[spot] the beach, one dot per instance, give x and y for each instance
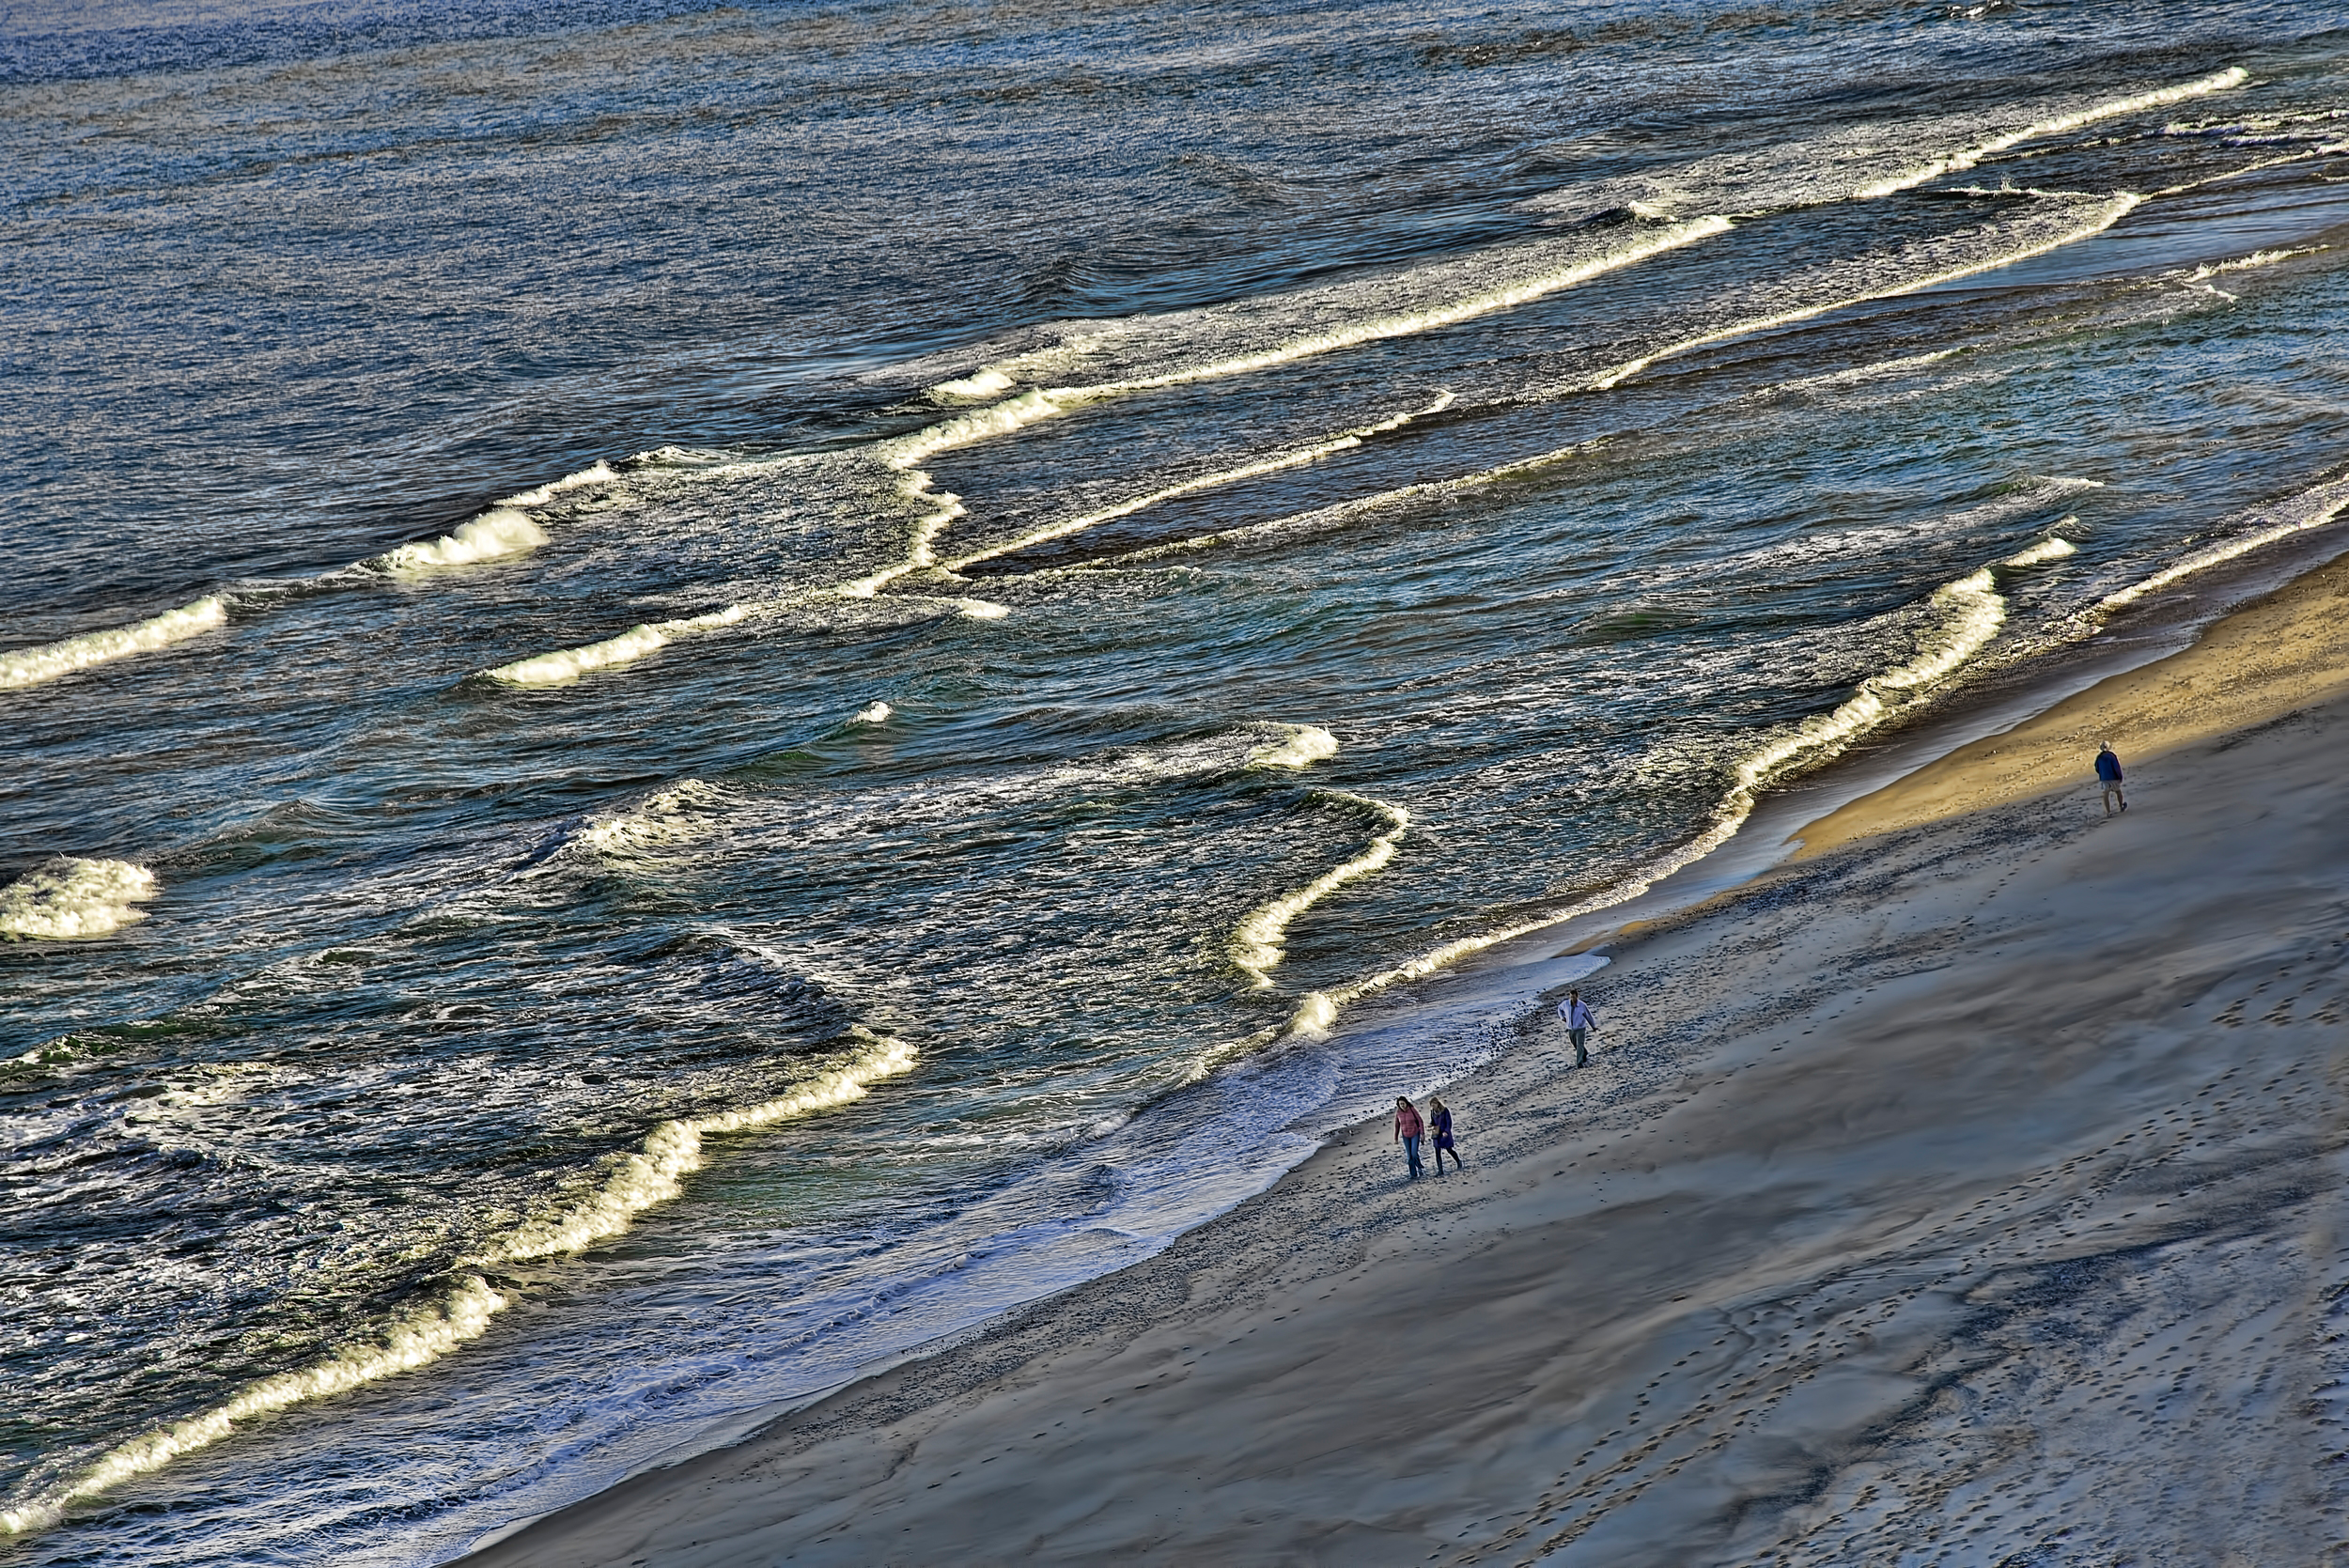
(1964, 1190)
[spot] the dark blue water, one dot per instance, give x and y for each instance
(693, 694)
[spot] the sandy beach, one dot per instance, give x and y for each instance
(1965, 1191)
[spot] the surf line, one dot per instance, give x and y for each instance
(501, 530)
(1257, 944)
(566, 665)
(1970, 613)
(631, 1184)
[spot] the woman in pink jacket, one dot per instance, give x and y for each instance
(1408, 1128)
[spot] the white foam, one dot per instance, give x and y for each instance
(1294, 457)
(1301, 747)
(1257, 941)
(597, 472)
(411, 1341)
(2047, 549)
(565, 665)
(2054, 125)
(2257, 258)
(665, 819)
(874, 713)
(2310, 508)
(499, 532)
(1915, 268)
(981, 610)
(69, 900)
(31, 666)
(633, 1182)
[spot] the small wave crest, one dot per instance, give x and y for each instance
(566, 665)
(501, 530)
(32, 666)
(2264, 525)
(666, 819)
(653, 1174)
(1301, 747)
(1257, 943)
(71, 900)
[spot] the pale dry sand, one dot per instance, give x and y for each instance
(1970, 1195)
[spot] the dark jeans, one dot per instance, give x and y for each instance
(1411, 1152)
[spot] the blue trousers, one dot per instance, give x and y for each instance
(1410, 1151)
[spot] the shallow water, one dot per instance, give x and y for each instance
(548, 919)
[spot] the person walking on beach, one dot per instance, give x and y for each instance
(1440, 1124)
(2109, 774)
(1408, 1129)
(1578, 1024)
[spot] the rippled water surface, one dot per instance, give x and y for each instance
(693, 694)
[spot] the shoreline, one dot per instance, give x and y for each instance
(1001, 1367)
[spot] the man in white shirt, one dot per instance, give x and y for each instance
(1578, 1024)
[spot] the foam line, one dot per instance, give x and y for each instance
(69, 899)
(414, 1340)
(566, 665)
(654, 1173)
(1296, 458)
(2218, 81)
(31, 666)
(1971, 610)
(2310, 508)
(2104, 214)
(1257, 943)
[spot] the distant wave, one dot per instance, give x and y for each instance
(69, 899)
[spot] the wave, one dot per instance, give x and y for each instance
(1257, 941)
(679, 815)
(1863, 162)
(1402, 305)
(1301, 747)
(1296, 458)
(566, 665)
(499, 532)
(69, 900)
(1914, 267)
(653, 1174)
(2310, 508)
(31, 666)
(414, 1340)
(874, 713)
(2056, 125)
(1969, 612)
(630, 1184)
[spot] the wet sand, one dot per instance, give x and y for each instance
(1967, 1191)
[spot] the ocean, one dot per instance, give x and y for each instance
(693, 694)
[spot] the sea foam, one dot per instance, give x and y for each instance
(1257, 943)
(69, 899)
(413, 1340)
(633, 1182)
(31, 666)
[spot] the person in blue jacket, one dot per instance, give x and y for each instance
(2109, 774)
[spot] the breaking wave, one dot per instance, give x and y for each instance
(1257, 941)
(71, 900)
(31, 666)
